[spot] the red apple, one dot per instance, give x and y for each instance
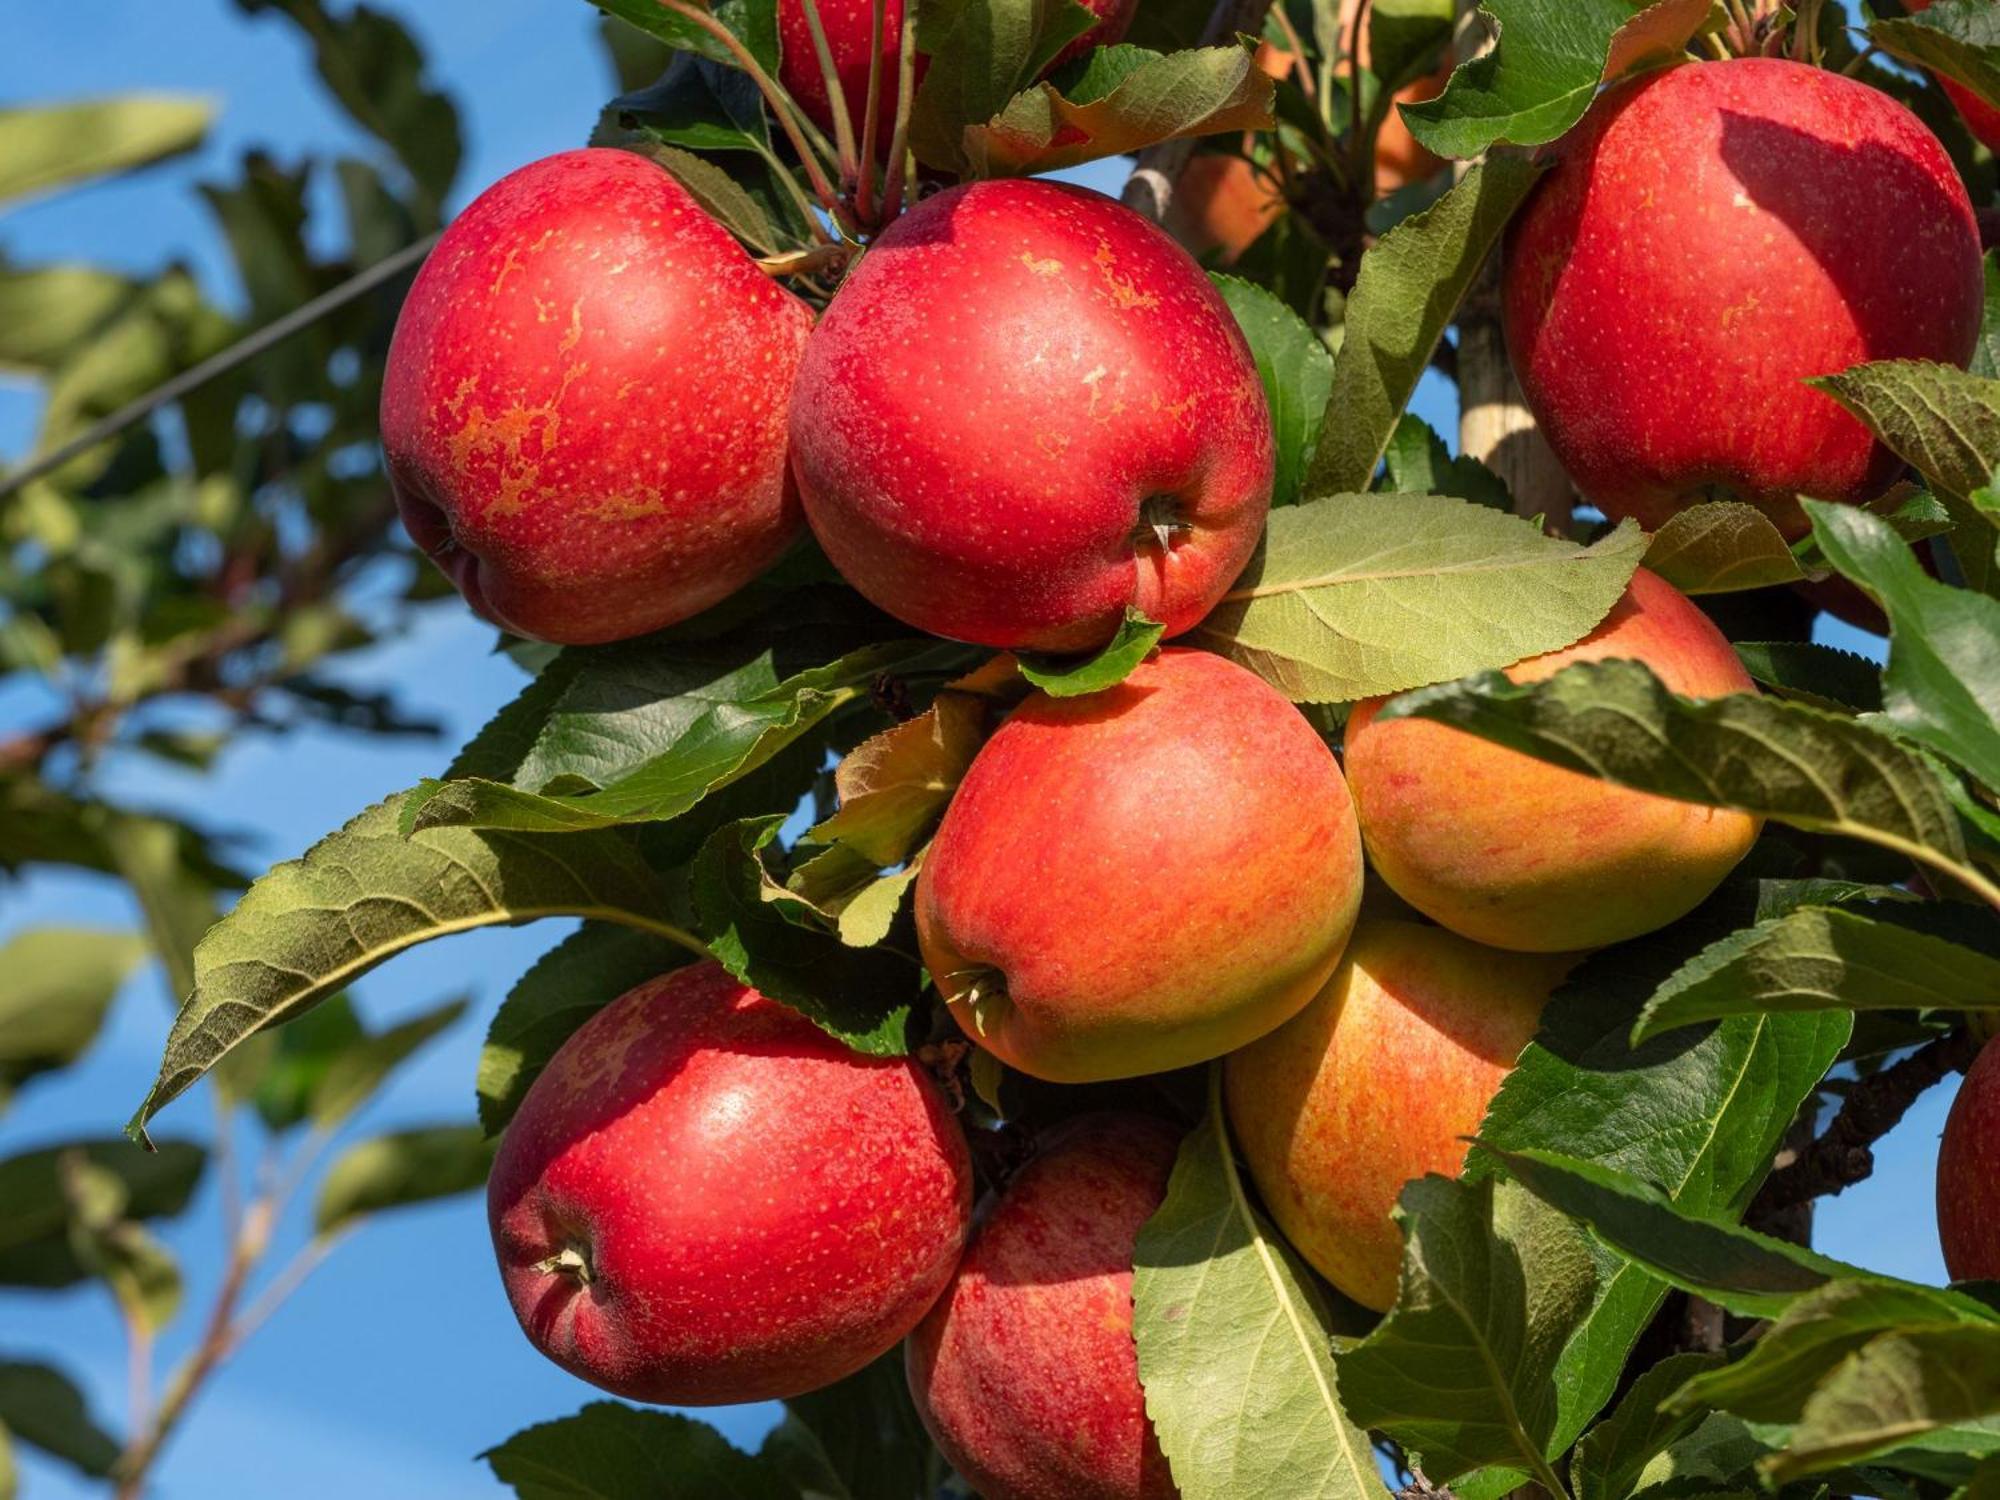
(1025, 1373)
(1380, 1080)
(706, 1199)
(1025, 410)
(1968, 1174)
(1981, 118)
(1512, 851)
(584, 407)
(849, 27)
(1711, 236)
(1142, 878)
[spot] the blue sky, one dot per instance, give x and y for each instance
(399, 1360)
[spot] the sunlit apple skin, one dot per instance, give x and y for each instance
(849, 27)
(1514, 852)
(1981, 118)
(1015, 382)
(761, 1210)
(1968, 1174)
(1143, 878)
(1711, 236)
(1376, 1082)
(584, 408)
(1025, 1373)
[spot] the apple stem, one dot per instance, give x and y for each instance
(843, 127)
(899, 165)
(871, 116)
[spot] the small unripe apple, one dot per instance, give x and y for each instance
(1025, 1373)
(849, 26)
(1512, 851)
(1143, 878)
(1711, 236)
(1376, 1082)
(583, 413)
(706, 1199)
(1026, 410)
(1981, 118)
(1968, 1174)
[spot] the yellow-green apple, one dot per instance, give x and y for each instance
(1142, 878)
(1512, 851)
(1026, 410)
(1025, 1373)
(1968, 1174)
(583, 413)
(1711, 236)
(704, 1198)
(849, 28)
(1981, 118)
(1376, 1082)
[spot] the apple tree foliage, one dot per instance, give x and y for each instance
(1616, 1298)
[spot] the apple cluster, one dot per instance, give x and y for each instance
(1026, 412)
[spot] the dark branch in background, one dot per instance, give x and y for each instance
(1842, 1155)
(358, 285)
(1150, 188)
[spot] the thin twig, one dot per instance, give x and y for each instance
(357, 285)
(899, 166)
(836, 95)
(871, 115)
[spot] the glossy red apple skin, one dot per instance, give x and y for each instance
(1025, 1372)
(1968, 1174)
(584, 409)
(849, 27)
(1981, 118)
(1011, 370)
(1143, 878)
(762, 1211)
(1712, 235)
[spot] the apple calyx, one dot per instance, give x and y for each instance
(980, 989)
(572, 1261)
(1160, 523)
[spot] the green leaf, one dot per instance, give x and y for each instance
(1986, 355)
(1700, 1115)
(360, 896)
(1721, 547)
(1417, 462)
(1946, 424)
(1356, 595)
(1823, 958)
(1405, 38)
(982, 53)
(1896, 1387)
(1551, 58)
(279, 1070)
(609, 1451)
(44, 1409)
(568, 985)
(1462, 1370)
(354, 1073)
(1959, 41)
(1816, 771)
(1072, 677)
(1819, 676)
(1775, 1378)
(653, 733)
(1942, 685)
(1297, 372)
(36, 1231)
(1409, 288)
(54, 145)
(1235, 1343)
(864, 1431)
(401, 1169)
(48, 312)
(1203, 91)
(753, 22)
(722, 197)
(60, 981)
(699, 106)
(1612, 1459)
(1750, 1274)
(863, 996)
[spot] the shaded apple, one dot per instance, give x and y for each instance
(1711, 236)
(1968, 1174)
(1376, 1082)
(1142, 878)
(583, 413)
(1512, 851)
(1025, 1372)
(704, 1198)
(1025, 410)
